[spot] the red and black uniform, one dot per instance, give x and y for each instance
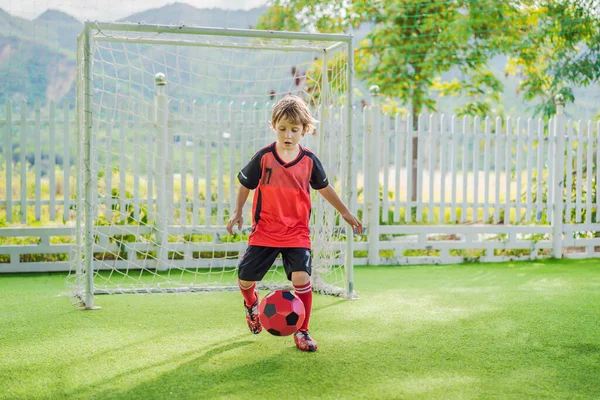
(280, 210)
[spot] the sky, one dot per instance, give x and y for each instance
(108, 10)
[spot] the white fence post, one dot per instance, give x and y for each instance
(52, 163)
(161, 170)
(558, 181)
(23, 161)
(67, 163)
(9, 161)
(37, 136)
(371, 177)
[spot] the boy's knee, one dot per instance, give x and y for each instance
(300, 278)
(246, 284)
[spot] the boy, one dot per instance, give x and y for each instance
(282, 174)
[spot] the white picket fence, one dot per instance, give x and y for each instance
(53, 135)
(485, 187)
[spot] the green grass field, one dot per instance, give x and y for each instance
(527, 330)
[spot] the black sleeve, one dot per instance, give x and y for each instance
(249, 176)
(318, 177)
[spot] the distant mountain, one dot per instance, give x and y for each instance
(51, 15)
(10, 24)
(59, 28)
(37, 58)
(184, 14)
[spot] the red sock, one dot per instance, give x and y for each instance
(304, 292)
(248, 293)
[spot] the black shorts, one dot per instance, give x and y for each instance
(257, 260)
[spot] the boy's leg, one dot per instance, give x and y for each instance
(303, 289)
(249, 292)
(251, 305)
(253, 266)
(298, 267)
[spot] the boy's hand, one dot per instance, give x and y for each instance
(354, 222)
(235, 219)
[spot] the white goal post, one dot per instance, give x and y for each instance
(167, 116)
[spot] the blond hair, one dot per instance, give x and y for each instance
(295, 110)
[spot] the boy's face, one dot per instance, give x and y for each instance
(289, 133)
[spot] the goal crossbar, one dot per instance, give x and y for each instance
(230, 32)
(213, 45)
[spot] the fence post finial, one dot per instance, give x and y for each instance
(559, 100)
(374, 89)
(160, 79)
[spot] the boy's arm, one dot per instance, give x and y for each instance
(237, 216)
(331, 196)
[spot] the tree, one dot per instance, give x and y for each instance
(560, 49)
(412, 43)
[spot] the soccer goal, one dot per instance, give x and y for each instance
(167, 117)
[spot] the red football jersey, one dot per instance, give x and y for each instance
(281, 205)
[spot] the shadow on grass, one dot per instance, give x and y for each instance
(106, 388)
(283, 373)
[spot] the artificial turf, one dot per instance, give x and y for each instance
(485, 331)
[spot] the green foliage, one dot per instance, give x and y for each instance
(412, 45)
(469, 256)
(338, 81)
(483, 88)
(570, 194)
(560, 49)
(323, 16)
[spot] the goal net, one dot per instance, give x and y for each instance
(167, 117)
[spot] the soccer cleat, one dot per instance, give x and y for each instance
(304, 342)
(252, 317)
